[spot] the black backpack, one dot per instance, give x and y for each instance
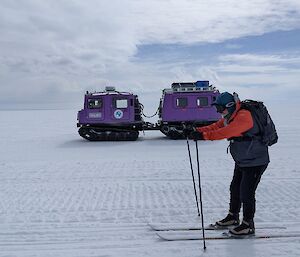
(261, 115)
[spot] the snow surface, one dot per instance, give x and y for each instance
(61, 195)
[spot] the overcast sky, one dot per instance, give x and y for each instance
(52, 51)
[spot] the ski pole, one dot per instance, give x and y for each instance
(192, 170)
(188, 146)
(200, 195)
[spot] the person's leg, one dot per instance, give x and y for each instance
(235, 199)
(250, 178)
(235, 203)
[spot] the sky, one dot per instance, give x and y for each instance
(51, 52)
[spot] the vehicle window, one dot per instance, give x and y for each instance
(181, 102)
(121, 103)
(202, 101)
(95, 103)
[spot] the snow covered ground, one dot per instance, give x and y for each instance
(63, 196)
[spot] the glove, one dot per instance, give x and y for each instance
(196, 135)
(188, 130)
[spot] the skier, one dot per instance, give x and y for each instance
(249, 153)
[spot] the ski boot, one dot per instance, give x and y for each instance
(229, 221)
(245, 229)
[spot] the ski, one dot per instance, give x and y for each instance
(195, 235)
(197, 226)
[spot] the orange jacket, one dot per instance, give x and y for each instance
(239, 122)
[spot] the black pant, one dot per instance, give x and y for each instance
(242, 190)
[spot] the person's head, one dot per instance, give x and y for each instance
(225, 104)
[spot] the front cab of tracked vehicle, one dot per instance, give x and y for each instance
(110, 115)
(188, 103)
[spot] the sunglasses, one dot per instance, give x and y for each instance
(221, 108)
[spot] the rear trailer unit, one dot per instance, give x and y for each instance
(187, 103)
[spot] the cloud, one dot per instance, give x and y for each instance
(261, 59)
(263, 76)
(257, 76)
(74, 45)
(258, 64)
(211, 21)
(233, 46)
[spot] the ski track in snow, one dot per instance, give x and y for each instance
(63, 196)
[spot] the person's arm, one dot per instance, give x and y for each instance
(214, 126)
(240, 124)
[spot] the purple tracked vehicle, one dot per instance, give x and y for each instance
(187, 104)
(117, 116)
(110, 115)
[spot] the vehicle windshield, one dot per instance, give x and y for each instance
(95, 103)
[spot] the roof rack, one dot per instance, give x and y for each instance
(109, 90)
(201, 85)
